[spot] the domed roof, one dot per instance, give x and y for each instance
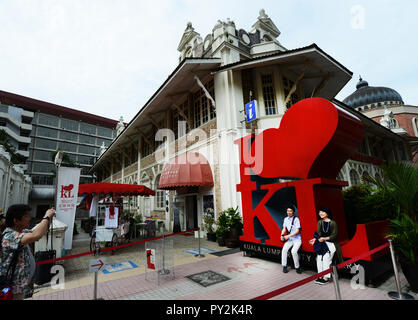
(366, 95)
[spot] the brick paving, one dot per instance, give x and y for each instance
(249, 277)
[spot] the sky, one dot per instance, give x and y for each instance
(108, 57)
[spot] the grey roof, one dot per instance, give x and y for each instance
(366, 94)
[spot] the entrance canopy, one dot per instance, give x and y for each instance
(188, 169)
(116, 189)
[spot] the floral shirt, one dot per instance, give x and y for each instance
(22, 274)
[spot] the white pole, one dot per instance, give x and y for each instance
(397, 295)
(336, 283)
(199, 255)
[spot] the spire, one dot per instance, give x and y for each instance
(362, 83)
(266, 24)
(102, 148)
(120, 126)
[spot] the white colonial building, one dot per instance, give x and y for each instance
(216, 76)
(15, 186)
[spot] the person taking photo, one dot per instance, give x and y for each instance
(17, 236)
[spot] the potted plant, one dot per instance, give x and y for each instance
(403, 232)
(401, 184)
(208, 225)
(235, 222)
(234, 227)
(222, 230)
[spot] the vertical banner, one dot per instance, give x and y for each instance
(151, 259)
(67, 190)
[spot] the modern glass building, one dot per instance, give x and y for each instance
(37, 129)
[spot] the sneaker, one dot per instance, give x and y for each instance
(319, 281)
(285, 270)
(298, 270)
(326, 281)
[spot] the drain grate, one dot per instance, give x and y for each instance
(208, 278)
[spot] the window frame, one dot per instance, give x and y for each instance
(268, 94)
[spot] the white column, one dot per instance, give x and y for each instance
(229, 102)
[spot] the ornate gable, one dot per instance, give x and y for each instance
(266, 24)
(189, 41)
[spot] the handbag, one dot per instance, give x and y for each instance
(43, 272)
(321, 248)
(6, 280)
(282, 239)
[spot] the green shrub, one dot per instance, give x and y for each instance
(364, 204)
(208, 221)
(138, 218)
(228, 220)
(404, 232)
(222, 225)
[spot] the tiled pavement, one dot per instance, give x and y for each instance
(249, 277)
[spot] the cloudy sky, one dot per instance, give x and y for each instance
(108, 57)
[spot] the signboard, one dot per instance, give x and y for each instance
(67, 189)
(96, 264)
(314, 157)
(151, 259)
(119, 266)
(251, 110)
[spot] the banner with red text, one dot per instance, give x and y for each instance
(67, 189)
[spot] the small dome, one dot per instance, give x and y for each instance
(366, 94)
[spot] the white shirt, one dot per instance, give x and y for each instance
(287, 223)
(93, 206)
(111, 221)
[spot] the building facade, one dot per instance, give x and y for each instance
(386, 106)
(15, 185)
(38, 129)
(202, 105)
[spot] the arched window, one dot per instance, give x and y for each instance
(354, 177)
(267, 38)
(188, 52)
(364, 176)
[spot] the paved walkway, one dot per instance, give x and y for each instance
(248, 278)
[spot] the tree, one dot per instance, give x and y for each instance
(401, 183)
(66, 161)
(15, 157)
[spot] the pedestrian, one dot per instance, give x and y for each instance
(16, 236)
(291, 236)
(326, 244)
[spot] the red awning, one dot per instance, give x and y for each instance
(188, 169)
(116, 189)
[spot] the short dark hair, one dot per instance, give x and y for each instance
(16, 211)
(326, 210)
(290, 206)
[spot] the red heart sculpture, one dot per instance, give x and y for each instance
(315, 139)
